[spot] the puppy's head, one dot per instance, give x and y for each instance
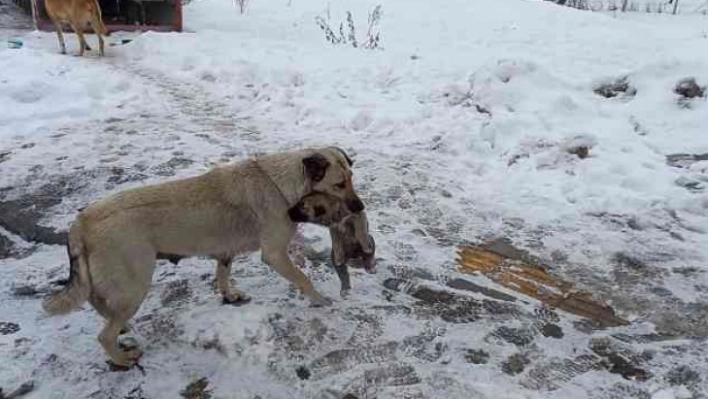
(319, 208)
(329, 171)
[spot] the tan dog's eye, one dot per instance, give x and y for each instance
(341, 185)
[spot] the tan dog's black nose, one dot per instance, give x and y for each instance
(355, 206)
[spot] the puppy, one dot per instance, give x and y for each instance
(349, 232)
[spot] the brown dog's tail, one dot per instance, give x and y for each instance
(79, 288)
(97, 19)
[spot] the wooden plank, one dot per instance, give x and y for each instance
(535, 282)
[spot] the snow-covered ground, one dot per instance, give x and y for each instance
(462, 128)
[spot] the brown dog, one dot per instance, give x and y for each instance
(78, 14)
(240, 208)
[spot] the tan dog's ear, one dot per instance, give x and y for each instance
(315, 167)
(349, 160)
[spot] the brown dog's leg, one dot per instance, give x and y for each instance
(229, 294)
(60, 35)
(101, 52)
(82, 40)
(97, 26)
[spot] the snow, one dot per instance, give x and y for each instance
(461, 128)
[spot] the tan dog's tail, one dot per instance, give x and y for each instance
(79, 288)
(97, 20)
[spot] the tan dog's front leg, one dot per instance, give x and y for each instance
(229, 294)
(279, 260)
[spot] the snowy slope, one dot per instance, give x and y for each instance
(460, 127)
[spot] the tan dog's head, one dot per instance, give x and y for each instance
(329, 169)
(319, 208)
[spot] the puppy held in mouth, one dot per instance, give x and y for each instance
(351, 241)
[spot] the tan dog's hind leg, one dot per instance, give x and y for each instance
(121, 273)
(230, 294)
(116, 321)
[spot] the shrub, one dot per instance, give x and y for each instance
(373, 36)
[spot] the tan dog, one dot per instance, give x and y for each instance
(240, 208)
(349, 233)
(78, 14)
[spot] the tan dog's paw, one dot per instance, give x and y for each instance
(125, 361)
(127, 358)
(236, 298)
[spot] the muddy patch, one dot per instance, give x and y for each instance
(23, 210)
(476, 356)
(517, 336)
(515, 364)
(175, 293)
(341, 360)
(7, 328)
(7, 247)
(197, 390)
(621, 359)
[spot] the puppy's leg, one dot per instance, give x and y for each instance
(343, 273)
(229, 294)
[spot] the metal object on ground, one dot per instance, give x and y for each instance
(14, 43)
